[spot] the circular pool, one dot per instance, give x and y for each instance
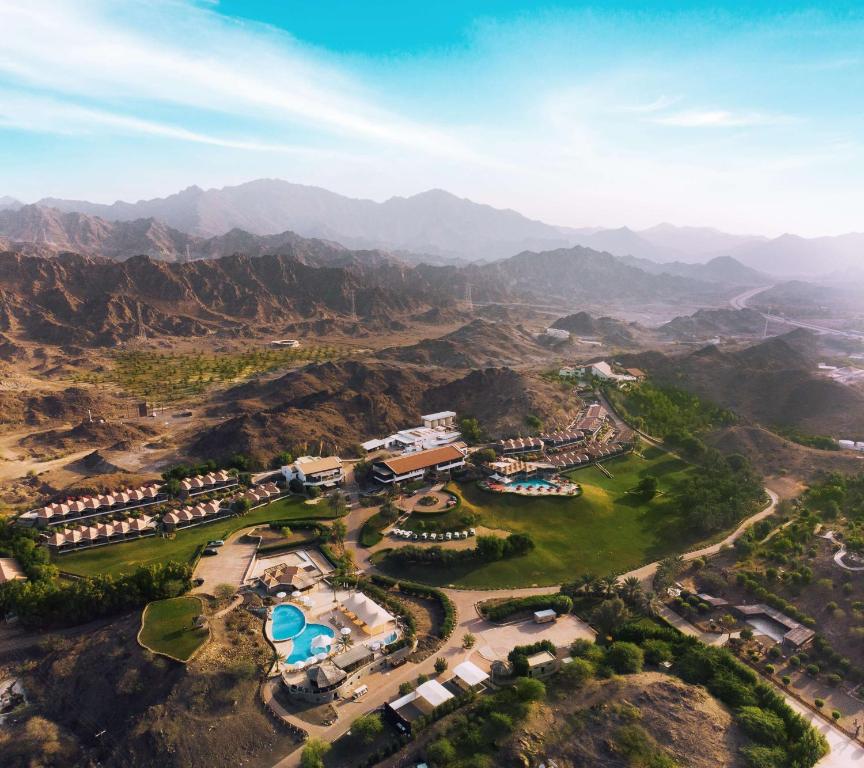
(288, 622)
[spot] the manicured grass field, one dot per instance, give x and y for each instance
(166, 627)
(606, 530)
(117, 558)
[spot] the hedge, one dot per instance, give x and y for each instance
(559, 603)
(422, 590)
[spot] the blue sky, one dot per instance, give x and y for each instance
(744, 116)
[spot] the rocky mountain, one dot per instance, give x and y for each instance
(708, 323)
(9, 203)
(354, 400)
(606, 329)
(794, 255)
(97, 301)
(478, 344)
(47, 231)
(579, 273)
(772, 383)
(720, 269)
(434, 222)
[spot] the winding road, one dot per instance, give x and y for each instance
(741, 300)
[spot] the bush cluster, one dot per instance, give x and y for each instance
(559, 603)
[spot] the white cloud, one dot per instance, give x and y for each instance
(718, 118)
(187, 56)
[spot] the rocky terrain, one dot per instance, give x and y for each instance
(354, 400)
(706, 323)
(609, 330)
(775, 382)
(627, 722)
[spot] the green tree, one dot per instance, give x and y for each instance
(368, 727)
(471, 430)
(314, 753)
(528, 689)
(440, 753)
(647, 487)
(490, 548)
(625, 658)
(609, 616)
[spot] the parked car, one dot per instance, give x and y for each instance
(198, 582)
(449, 536)
(216, 543)
(472, 532)
(210, 551)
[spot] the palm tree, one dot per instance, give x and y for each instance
(345, 642)
(587, 582)
(607, 585)
(630, 589)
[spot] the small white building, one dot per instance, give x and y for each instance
(437, 429)
(316, 471)
(558, 333)
(603, 370)
(468, 676)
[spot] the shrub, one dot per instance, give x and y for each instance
(786, 680)
(440, 753)
(812, 670)
(528, 689)
(819, 703)
(833, 679)
(657, 651)
(625, 658)
(835, 714)
(559, 603)
(313, 753)
(762, 726)
(367, 727)
(440, 665)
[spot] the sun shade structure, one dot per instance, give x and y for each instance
(374, 618)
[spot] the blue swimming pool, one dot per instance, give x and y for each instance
(533, 482)
(289, 623)
(303, 644)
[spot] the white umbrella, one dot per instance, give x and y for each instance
(300, 664)
(345, 630)
(321, 656)
(321, 641)
(296, 593)
(281, 595)
(376, 645)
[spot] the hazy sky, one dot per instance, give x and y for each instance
(744, 116)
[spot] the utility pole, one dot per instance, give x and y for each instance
(469, 304)
(351, 296)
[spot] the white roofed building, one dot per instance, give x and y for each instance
(316, 471)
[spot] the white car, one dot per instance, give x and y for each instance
(424, 536)
(472, 532)
(449, 536)
(433, 536)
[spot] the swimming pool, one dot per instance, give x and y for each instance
(534, 482)
(289, 623)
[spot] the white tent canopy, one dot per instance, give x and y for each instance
(367, 610)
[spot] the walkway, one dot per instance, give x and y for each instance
(841, 553)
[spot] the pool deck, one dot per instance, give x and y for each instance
(323, 610)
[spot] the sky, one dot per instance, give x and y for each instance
(747, 117)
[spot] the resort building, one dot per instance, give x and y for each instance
(436, 429)
(414, 466)
(604, 371)
(104, 533)
(316, 471)
(421, 701)
(770, 622)
(10, 570)
(556, 441)
(91, 506)
(286, 577)
(558, 333)
(193, 515)
(191, 486)
(542, 664)
(467, 676)
(519, 445)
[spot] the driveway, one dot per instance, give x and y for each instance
(228, 567)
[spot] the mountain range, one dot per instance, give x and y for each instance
(440, 226)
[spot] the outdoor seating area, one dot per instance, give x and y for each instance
(553, 486)
(105, 533)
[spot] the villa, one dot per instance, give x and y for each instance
(415, 466)
(104, 533)
(421, 701)
(437, 429)
(10, 570)
(519, 445)
(315, 471)
(191, 486)
(91, 506)
(556, 441)
(604, 371)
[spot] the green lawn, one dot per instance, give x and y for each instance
(117, 558)
(166, 627)
(604, 531)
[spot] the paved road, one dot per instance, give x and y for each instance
(740, 302)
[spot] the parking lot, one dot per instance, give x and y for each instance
(228, 567)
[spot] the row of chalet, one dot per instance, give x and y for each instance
(91, 506)
(211, 510)
(585, 455)
(209, 482)
(415, 466)
(104, 533)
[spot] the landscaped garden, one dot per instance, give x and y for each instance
(610, 528)
(118, 558)
(168, 626)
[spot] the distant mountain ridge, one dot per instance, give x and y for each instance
(446, 226)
